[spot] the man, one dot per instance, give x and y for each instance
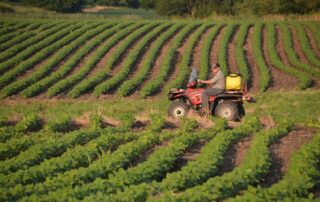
(218, 85)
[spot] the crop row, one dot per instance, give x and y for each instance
(28, 124)
(102, 167)
(38, 153)
(205, 51)
(195, 172)
(156, 165)
(91, 81)
(68, 66)
(304, 80)
(68, 82)
(257, 47)
(305, 45)
(147, 63)
(223, 48)
(79, 37)
(240, 53)
(292, 55)
(183, 68)
(129, 61)
(79, 156)
(251, 170)
(153, 85)
(53, 43)
(22, 51)
(18, 37)
(302, 176)
(7, 30)
(97, 78)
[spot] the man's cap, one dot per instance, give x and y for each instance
(215, 65)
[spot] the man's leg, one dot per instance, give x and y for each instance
(209, 92)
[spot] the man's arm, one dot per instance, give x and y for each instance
(208, 82)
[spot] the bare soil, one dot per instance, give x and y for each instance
(312, 42)
(189, 155)
(297, 47)
(231, 54)
(282, 151)
(155, 71)
(177, 58)
(139, 60)
(235, 155)
(215, 46)
(196, 56)
(280, 81)
(253, 84)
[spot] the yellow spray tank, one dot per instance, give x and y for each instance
(234, 82)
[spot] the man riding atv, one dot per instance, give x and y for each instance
(217, 85)
(224, 98)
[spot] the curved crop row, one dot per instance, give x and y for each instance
(301, 177)
(7, 30)
(304, 80)
(102, 167)
(97, 78)
(68, 66)
(147, 63)
(156, 83)
(18, 37)
(38, 153)
(157, 164)
(292, 55)
(240, 53)
(79, 37)
(251, 170)
(13, 56)
(30, 123)
(15, 146)
(53, 43)
(68, 82)
(305, 45)
(314, 32)
(18, 49)
(79, 156)
(209, 160)
(223, 49)
(205, 166)
(183, 66)
(264, 72)
(205, 51)
(129, 61)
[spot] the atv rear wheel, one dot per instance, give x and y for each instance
(178, 109)
(228, 110)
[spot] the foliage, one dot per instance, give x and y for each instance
(265, 77)
(61, 124)
(31, 122)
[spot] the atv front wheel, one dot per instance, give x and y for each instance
(178, 109)
(228, 110)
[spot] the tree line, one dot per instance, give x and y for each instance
(194, 8)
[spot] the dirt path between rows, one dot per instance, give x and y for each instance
(235, 154)
(282, 151)
(253, 84)
(196, 56)
(312, 42)
(297, 46)
(173, 72)
(215, 46)
(139, 60)
(279, 81)
(231, 54)
(155, 71)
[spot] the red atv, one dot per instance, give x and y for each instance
(228, 105)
